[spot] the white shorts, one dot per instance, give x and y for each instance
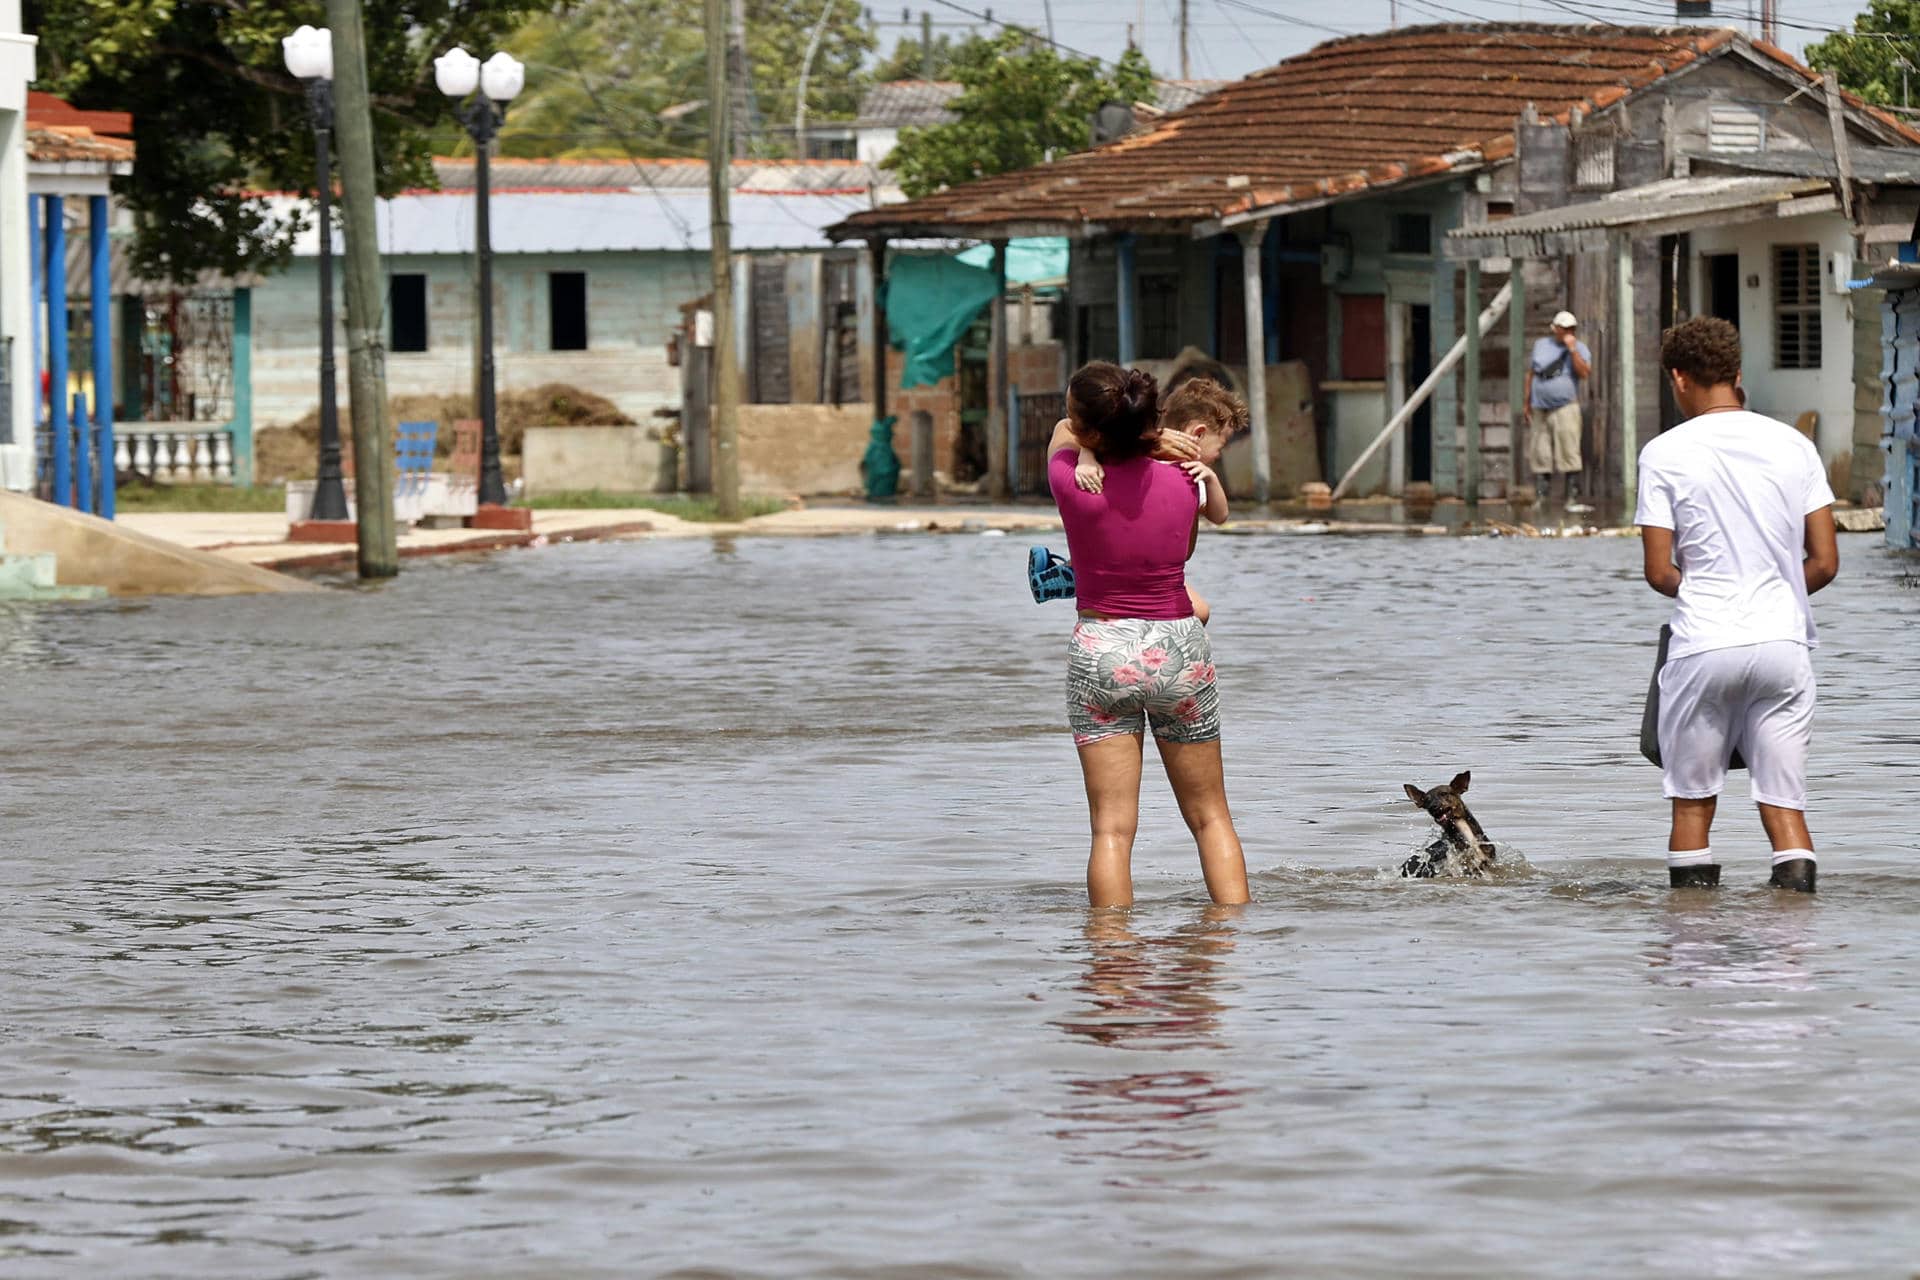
(1759, 698)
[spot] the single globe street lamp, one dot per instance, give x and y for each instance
(309, 55)
(498, 79)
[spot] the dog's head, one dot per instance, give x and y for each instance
(1444, 803)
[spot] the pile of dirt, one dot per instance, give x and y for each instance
(293, 452)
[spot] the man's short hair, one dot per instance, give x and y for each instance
(1705, 348)
(1207, 401)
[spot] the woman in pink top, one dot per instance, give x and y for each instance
(1138, 655)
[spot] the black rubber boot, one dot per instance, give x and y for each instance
(1796, 874)
(1702, 875)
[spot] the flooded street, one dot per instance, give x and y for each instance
(716, 908)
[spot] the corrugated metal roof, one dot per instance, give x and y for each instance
(900, 103)
(599, 221)
(1668, 200)
(508, 174)
(1351, 115)
(1893, 165)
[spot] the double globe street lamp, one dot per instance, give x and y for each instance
(309, 56)
(498, 79)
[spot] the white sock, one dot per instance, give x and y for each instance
(1788, 855)
(1690, 857)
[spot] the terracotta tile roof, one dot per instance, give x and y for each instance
(58, 133)
(1351, 114)
(70, 144)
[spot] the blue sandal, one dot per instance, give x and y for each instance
(1050, 576)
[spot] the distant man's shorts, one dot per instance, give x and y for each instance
(1125, 674)
(1759, 698)
(1553, 439)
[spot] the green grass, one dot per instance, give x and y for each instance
(698, 507)
(199, 497)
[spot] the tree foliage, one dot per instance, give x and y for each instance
(1022, 103)
(217, 118)
(629, 77)
(1868, 63)
(907, 62)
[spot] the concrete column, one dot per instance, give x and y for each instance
(1126, 284)
(17, 302)
(100, 299)
(1399, 321)
(1470, 393)
(1252, 237)
(1624, 373)
(1517, 359)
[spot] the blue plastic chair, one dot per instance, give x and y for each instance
(413, 444)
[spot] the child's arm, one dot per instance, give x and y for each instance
(1088, 473)
(1201, 609)
(1214, 505)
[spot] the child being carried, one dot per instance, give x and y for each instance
(1196, 422)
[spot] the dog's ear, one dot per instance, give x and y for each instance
(1416, 795)
(1460, 781)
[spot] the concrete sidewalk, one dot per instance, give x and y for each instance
(260, 538)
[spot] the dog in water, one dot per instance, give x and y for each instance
(1461, 848)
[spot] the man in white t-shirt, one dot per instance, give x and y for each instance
(1736, 522)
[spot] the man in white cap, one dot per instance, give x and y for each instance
(1555, 369)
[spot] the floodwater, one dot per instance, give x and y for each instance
(715, 908)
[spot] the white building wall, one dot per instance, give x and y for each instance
(633, 305)
(872, 145)
(16, 281)
(1787, 393)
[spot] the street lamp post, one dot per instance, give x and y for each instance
(309, 55)
(459, 73)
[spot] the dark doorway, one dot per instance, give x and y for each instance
(1722, 271)
(1419, 365)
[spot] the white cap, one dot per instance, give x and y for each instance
(1565, 320)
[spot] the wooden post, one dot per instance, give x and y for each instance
(725, 417)
(1252, 237)
(1518, 362)
(998, 416)
(1625, 370)
(366, 297)
(878, 247)
(1470, 395)
(1399, 320)
(1125, 282)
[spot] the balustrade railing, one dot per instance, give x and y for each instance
(172, 456)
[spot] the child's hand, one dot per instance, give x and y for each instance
(1090, 476)
(1200, 473)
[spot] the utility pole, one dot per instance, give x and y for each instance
(740, 99)
(725, 400)
(1186, 67)
(366, 300)
(1769, 18)
(926, 44)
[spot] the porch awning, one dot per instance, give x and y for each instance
(1659, 208)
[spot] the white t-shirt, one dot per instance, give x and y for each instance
(1736, 488)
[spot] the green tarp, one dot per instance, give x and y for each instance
(932, 300)
(1033, 260)
(930, 303)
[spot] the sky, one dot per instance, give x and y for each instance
(1228, 39)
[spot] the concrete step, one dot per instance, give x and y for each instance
(31, 577)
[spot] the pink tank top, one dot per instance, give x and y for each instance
(1129, 542)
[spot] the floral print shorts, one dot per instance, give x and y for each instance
(1125, 674)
